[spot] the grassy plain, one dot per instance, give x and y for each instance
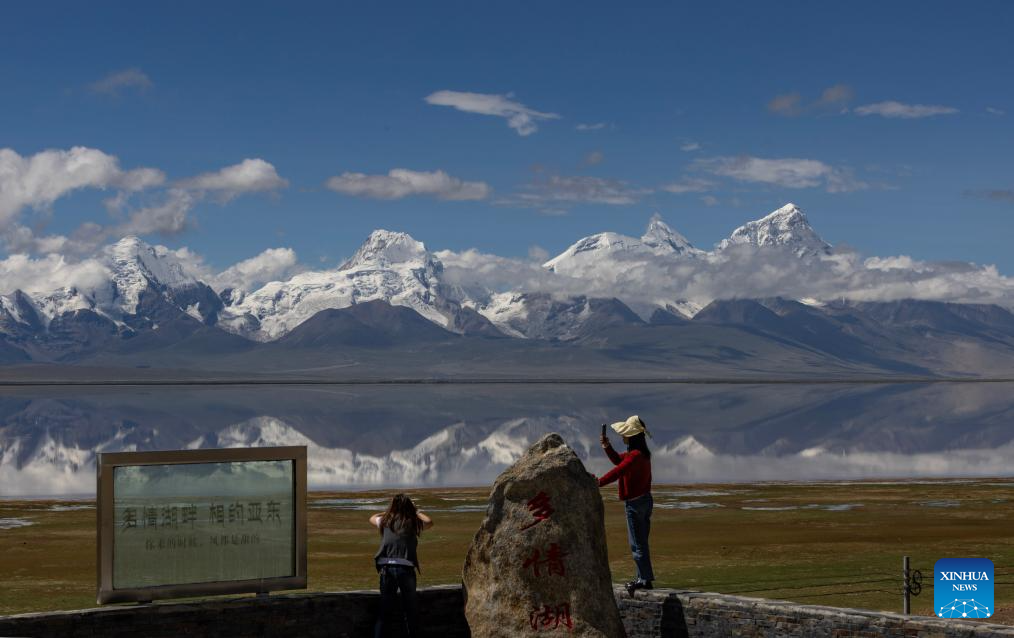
(823, 543)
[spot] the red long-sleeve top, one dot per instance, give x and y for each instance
(633, 469)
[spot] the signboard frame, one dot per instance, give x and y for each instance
(106, 523)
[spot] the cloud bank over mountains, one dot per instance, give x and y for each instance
(778, 255)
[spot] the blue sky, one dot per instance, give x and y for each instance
(890, 124)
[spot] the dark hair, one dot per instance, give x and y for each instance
(401, 513)
(639, 442)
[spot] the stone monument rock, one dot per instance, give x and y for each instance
(538, 564)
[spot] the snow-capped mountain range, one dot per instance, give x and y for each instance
(140, 289)
(396, 268)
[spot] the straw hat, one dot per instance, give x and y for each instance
(631, 427)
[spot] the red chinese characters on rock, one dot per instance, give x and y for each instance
(549, 563)
(549, 617)
(552, 561)
(540, 508)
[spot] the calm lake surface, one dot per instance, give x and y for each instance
(433, 435)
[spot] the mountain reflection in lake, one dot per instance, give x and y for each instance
(466, 434)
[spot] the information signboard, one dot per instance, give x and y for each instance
(197, 522)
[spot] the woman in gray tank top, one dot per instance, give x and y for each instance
(397, 562)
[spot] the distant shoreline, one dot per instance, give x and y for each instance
(320, 492)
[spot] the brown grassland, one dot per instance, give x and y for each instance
(824, 543)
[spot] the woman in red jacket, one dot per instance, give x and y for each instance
(633, 470)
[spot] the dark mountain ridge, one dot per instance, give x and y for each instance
(773, 337)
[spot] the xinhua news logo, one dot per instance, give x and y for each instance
(963, 588)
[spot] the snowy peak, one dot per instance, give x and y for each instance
(390, 266)
(660, 237)
(384, 248)
(17, 308)
(686, 447)
(130, 278)
(659, 240)
(594, 244)
(131, 259)
(785, 227)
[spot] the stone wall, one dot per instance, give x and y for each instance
(660, 613)
(666, 612)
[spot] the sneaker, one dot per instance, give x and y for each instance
(645, 584)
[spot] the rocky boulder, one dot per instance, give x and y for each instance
(538, 564)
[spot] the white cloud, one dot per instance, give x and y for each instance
(519, 117)
(21, 239)
(995, 111)
(689, 147)
(119, 81)
(710, 200)
(594, 158)
(249, 176)
(893, 109)
(689, 185)
(37, 181)
(273, 264)
(401, 182)
(91, 275)
(140, 179)
(553, 194)
(597, 126)
(49, 273)
(170, 213)
(487, 271)
(169, 217)
(788, 172)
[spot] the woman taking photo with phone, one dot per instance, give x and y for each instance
(633, 471)
(397, 562)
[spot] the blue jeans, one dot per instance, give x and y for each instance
(395, 580)
(638, 526)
